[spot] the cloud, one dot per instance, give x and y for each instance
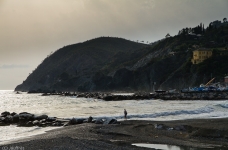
(12, 66)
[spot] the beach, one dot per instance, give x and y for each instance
(196, 133)
(152, 121)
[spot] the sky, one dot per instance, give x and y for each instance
(32, 29)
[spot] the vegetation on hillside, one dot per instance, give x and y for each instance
(108, 64)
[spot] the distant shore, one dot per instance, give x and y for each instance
(164, 95)
(199, 133)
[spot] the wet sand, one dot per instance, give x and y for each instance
(199, 133)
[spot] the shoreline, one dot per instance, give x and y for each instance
(200, 133)
(164, 95)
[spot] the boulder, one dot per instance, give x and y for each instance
(2, 119)
(36, 122)
(93, 121)
(4, 124)
(110, 121)
(42, 125)
(13, 113)
(43, 120)
(179, 128)
(8, 119)
(24, 116)
(99, 121)
(90, 119)
(15, 118)
(40, 117)
(66, 124)
(76, 121)
(57, 124)
(29, 124)
(5, 113)
(161, 127)
(50, 119)
(113, 121)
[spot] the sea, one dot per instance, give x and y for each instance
(69, 107)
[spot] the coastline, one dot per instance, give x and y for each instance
(199, 133)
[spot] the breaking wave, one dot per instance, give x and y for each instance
(173, 113)
(224, 105)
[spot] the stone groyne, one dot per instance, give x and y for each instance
(204, 95)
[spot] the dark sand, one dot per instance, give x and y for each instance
(203, 133)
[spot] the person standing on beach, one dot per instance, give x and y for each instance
(125, 114)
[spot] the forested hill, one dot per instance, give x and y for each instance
(72, 66)
(115, 64)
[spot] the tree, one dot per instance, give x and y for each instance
(167, 35)
(224, 20)
(179, 33)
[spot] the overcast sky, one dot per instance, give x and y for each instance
(31, 29)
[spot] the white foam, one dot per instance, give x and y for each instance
(13, 133)
(224, 105)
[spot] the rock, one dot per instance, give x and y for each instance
(15, 118)
(57, 124)
(42, 125)
(2, 119)
(8, 119)
(99, 121)
(179, 128)
(113, 121)
(4, 114)
(24, 116)
(13, 113)
(76, 121)
(40, 117)
(90, 119)
(43, 120)
(50, 119)
(161, 127)
(4, 124)
(110, 121)
(66, 124)
(29, 124)
(36, 122)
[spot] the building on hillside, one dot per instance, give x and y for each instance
(200, 55)
(226, 79)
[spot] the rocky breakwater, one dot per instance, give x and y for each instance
(26, 119)
(212, 95)
(135, 96)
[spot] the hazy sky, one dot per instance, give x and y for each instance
(32, 29)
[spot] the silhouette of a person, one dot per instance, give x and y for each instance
(125, 114)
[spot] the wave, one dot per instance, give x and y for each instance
(162, 114)
(224, 105)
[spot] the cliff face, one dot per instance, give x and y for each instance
(115, 64)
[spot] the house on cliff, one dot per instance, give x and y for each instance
(200, 55)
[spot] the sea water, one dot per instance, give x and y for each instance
(68, 107)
